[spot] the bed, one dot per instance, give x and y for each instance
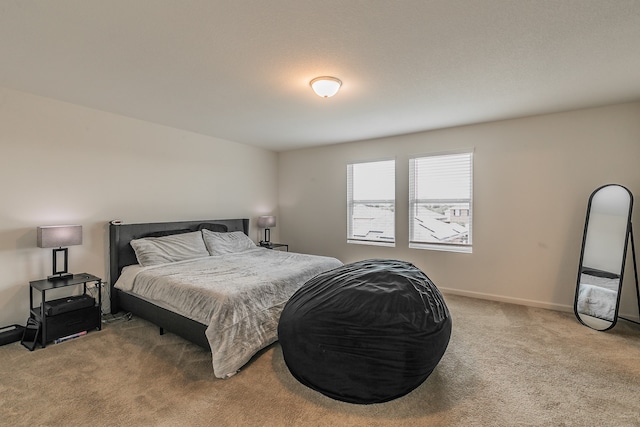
(598, 293)
(227, 299)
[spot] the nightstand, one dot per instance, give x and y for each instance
(65, 316)
(272, 245)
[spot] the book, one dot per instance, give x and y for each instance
(69, 337)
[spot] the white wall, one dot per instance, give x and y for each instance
(65, 164)
(62, 163)
(532, 180)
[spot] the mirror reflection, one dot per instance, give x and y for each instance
(604, 248)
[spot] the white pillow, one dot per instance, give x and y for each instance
(161, 250)
(227, 243)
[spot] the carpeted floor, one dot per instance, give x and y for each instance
(506, 365)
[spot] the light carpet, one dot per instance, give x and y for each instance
(506, 365)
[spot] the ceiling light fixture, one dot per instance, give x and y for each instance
(325, 86)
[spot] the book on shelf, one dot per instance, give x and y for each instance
(69, 337)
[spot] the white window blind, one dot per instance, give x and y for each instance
(371, 202)
(440, 201)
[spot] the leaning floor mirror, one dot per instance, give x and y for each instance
(607, 233)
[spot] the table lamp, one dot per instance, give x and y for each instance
(57, 236)
(266, 222)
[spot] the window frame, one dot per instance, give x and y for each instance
(351, 203)
(413, 202)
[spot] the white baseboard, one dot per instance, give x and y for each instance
(522, 301)
(500, 298)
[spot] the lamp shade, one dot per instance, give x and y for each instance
(266, 221)
(325, 86)
(56, 236)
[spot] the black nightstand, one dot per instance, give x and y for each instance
(60, 318)
(272, 245)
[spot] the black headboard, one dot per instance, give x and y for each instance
(121, 253)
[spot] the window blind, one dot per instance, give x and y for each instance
(440, 201)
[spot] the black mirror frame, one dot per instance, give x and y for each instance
(624, 258)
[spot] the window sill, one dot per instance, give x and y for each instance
(443, 248)
(372, 243)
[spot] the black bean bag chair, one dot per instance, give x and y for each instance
(366, 332)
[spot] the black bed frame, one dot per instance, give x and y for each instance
(121, 255)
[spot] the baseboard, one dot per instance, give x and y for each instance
(500, 298)
(522, 301)
(632, 317)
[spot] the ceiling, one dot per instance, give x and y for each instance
(240, 69)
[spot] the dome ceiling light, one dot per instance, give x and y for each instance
(325, 86)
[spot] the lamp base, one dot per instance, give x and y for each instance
(60, 276)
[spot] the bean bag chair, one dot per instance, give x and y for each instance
(366, 332)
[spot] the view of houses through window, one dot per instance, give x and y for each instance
(440, 202)
(441, 223)
(371, 202)
(440, 195)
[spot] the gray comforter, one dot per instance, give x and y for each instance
(239, 296)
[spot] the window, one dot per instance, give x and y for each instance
(440, 201)
(371, 203)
